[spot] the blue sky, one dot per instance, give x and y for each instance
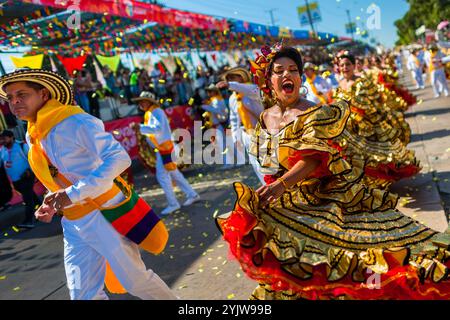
(334, 16)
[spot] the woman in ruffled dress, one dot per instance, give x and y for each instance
(315, 232)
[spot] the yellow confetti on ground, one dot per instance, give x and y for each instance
(420, 101)
(2, 277)
(215, 268)
(434, 119)
(238, 275)
(216, 212)
(218, 272)
(205, 234)
(16, 289)
(171, 257)
(225, 151)
(15, 229)
(200, 175)
(448, 150)
(5, 234)
(220, 245)
(200, 270)
(224, 262)
(230, 296)
(210, 250)
(182, 286)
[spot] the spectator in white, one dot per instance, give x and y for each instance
(157, 129)
(433, 59)
(14, 156)
(318, 88)
(415, 64)
(245, 108)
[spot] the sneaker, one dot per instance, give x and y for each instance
(191, 200)
(170, 209)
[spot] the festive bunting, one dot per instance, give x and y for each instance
(170, 64)
(32, 62)
(111, 62)
(72, 64)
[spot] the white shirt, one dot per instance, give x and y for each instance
(218, 109)
(251, 100)
(87, 155)
(158, 125)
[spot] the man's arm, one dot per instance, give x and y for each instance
(249, 90)
(154, 124)
(92, 136)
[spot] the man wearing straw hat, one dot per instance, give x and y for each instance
(157, 129)
(245, 108)
(79, 163)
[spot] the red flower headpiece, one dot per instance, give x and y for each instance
(260, 67)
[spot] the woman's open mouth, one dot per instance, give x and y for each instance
(288, 87)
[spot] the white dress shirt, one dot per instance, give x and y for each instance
(251, 100)
(87, 155)
(158, 125)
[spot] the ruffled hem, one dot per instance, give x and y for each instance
(265, 258)
(390, 172)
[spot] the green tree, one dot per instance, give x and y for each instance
(421, 12)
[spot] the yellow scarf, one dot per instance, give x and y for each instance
(245, 114)
(52, 113)
(314, 89)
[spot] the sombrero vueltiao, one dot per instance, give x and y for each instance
(146, 95)
(60, 89)
(244, 73)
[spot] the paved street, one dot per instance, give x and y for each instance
(196, 263)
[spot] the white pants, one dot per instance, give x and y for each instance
(246, 140)
(91, 241)
(439, 82)
(165, 177)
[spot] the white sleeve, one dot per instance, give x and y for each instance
(235, 122)
(154, 124)
(249, 90)
(93, 137)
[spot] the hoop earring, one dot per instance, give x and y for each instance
(303, 91)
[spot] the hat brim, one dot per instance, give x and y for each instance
(144, 99)
(245, 74)
(60, 89)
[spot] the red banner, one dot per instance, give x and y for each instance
(181, 117)
(122, 131)
(139, 11)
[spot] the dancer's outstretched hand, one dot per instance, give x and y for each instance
(58, 200)
(270, 193)
(45, 213)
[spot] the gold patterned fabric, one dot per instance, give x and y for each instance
(376, 136)
(329, 221)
